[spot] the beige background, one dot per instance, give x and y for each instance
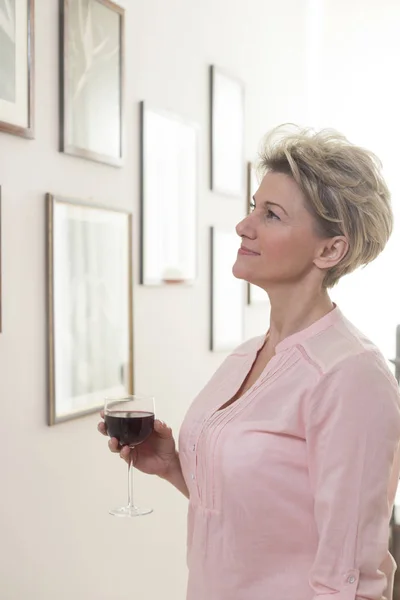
(56, 538)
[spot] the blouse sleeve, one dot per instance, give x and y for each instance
(352, 435)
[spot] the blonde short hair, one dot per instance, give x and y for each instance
(343, 187)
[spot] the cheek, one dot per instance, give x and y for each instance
(283, 245)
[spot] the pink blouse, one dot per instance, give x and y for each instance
(292, 486)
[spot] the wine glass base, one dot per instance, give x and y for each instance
(130, 511)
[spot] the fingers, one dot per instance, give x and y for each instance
(115, 447)
(101, 426)
(162, 429)
(113, 444)
(125, 452)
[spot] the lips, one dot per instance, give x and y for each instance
(247, 251)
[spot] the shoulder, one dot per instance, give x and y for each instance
(343, 349)
(365, 371)
(354, 379)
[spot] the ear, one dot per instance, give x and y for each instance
(331, 252)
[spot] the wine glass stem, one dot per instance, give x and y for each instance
(131, 468)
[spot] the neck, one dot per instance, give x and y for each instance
(294, 309)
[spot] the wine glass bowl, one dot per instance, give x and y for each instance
(130, 428)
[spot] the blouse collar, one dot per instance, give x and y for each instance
(301, 336)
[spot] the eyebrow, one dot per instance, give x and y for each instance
(268, 203)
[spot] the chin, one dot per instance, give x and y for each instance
(240, 272)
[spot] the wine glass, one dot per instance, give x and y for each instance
(130, 419)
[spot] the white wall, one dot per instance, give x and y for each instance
(56, 538)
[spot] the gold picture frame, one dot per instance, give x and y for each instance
(89, 306)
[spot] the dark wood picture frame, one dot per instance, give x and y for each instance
(66, 114)
(215, 186)
(51, 200)
(27, 131)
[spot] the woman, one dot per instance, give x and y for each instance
(290, 454)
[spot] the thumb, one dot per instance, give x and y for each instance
(162, 429)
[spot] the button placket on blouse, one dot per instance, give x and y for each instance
(194, 446)
(193, 466)
(192, 475)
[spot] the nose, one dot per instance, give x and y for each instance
(246, 228)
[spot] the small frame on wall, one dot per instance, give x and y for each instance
(227, 133)
(17, 65)
(89, 290)
(169, 198)
(92, 80)
(227, 292)
(255, 294)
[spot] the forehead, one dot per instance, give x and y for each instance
(282, 189)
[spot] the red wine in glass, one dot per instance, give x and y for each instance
(130, 427)
(131, 420)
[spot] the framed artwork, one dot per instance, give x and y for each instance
(1, 290)
(255, 294)
(17, 66)
(169, 198)
(227, 133)
(92, 80)
(227, 292)
(89, 290)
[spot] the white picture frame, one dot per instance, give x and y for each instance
(169, 198)
(227, 129)
(227, 292)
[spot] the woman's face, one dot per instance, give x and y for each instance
(279, 239)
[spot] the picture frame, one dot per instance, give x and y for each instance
(89, 306)
(169, 188)
(255, 294)
(227, 162)
(17, 67)
(92, 80)
(226, 292)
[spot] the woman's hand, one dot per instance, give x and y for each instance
(155, 456)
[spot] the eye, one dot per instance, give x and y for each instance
(252, 205)
(271, 215)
